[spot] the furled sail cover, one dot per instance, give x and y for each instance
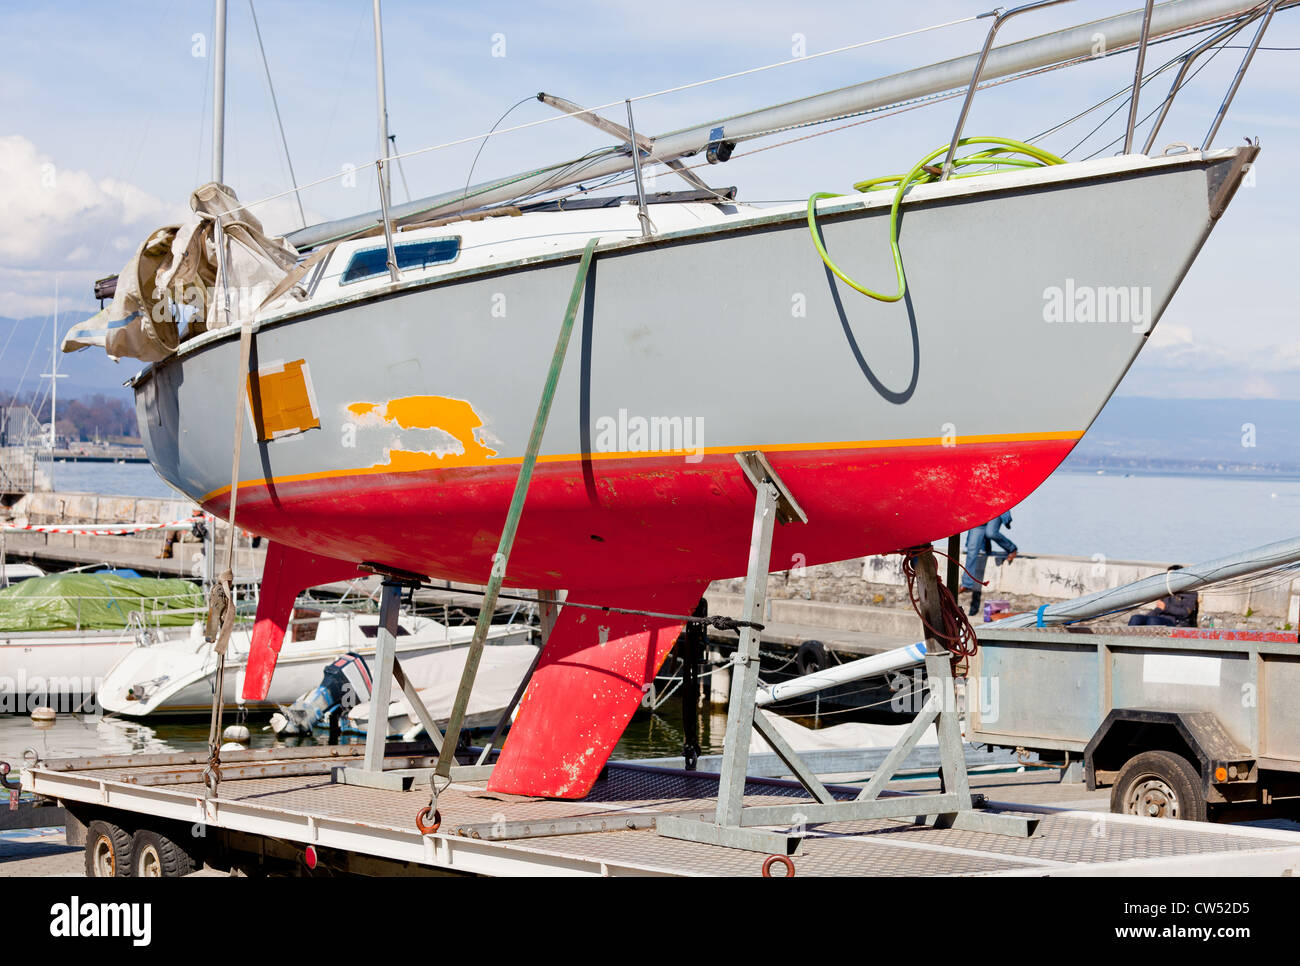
(168, 283)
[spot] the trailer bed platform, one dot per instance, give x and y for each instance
(310, 809)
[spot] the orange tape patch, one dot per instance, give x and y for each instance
(281, 400)
(455, 417)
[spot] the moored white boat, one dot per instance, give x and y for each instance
(436, 677)
(61, 634)
(345, 690)
(176, 677)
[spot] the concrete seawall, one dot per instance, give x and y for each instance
(66, 508)
(1062, 578)
(138, 551)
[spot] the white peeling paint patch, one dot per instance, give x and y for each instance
(1195, 669)
(603, 631)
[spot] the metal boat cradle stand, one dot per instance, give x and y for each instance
(736, 825)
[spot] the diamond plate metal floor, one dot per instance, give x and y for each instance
(1066, 842)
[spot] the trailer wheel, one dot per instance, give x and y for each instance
(108, 851)
(155, 856)
(1159, 784)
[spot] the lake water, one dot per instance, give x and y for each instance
(113, 479)
(1174, 519)
(649, 735)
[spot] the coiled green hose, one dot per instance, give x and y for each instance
(1004, 151)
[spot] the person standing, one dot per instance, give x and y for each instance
(979, 544)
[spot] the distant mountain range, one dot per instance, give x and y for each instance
(1248, 436)
(1133, 433)
(28, 349)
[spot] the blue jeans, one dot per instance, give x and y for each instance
(977, 556)
(1152, 620)
(979, 544)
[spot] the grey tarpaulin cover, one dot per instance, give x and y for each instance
(168, 282)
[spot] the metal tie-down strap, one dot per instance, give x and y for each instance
(221, 594)
(499, 560)
(736, 825)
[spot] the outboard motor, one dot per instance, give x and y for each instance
(345, 684)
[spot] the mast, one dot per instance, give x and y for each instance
(1045, 50)
(386, 185)
(54, 371)
(54, 375)
(219, 93)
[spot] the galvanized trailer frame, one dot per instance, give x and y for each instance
(354, 828)
(781, 829)
(1227, 705)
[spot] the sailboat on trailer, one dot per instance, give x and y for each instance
(389, 406)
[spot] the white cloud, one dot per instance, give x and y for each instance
(47, 212)
(63, 221)
(66, 222)
(1175, 362)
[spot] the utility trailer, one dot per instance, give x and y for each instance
(1178, 723)
(280, 812)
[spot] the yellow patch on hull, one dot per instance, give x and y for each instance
(455, 417)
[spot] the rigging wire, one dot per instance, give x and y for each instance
(902, 107)
(1190, 31)
(883, 110)
(1124, 103)
(1127, 89)
(32, 355)
(483, 144)
(1187, 80)
(639, 97)
(401, 170)
(344, 76)
(276, 107)
(8, 340)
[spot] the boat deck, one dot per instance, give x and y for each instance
(1070, 839)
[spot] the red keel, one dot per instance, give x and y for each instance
(590, 680)
(287, 573)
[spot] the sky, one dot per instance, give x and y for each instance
(105, 128)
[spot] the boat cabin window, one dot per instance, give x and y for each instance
(372, 630)
(374, 261)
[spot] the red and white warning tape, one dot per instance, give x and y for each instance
(108, 530)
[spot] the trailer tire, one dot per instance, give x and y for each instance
(1159, 784)
(108, 851)
(155, 856)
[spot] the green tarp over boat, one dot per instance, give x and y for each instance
(97, 601)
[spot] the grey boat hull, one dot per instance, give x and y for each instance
(693, 346)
